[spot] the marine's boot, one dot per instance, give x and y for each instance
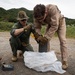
(64, 65)
(14, 58)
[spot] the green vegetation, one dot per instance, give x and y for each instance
(8, 18)
(70, 32)
(70, 21)
(11, 14)
(5, 26)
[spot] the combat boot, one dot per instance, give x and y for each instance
(14, 58)
(64, 65)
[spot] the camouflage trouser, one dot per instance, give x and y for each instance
(16, 45)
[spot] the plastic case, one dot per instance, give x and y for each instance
(7, 67)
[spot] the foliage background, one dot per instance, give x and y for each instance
(8, 18)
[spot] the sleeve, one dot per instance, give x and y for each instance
(33, 29)
(37, 26)
(13, 29)
(54, 22)
(36, 35)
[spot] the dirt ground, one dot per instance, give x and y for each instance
(21, 69)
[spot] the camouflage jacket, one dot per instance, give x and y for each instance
(24, 36)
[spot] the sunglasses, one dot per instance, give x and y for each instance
(24, 20)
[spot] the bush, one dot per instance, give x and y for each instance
(70, 31)
(5, 26)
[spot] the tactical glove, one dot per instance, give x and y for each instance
(36, 35)
(42, 40)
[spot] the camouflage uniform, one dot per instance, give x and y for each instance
(20, 42)
(55, 23)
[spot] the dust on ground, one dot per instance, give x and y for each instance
(21, 69)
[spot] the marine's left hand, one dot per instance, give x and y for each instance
(27, 27)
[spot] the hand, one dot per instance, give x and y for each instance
(36, 35)
(27, 27)
(42, 40)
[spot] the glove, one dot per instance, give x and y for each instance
(36, 35)
(27, 27)
(42, 40)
